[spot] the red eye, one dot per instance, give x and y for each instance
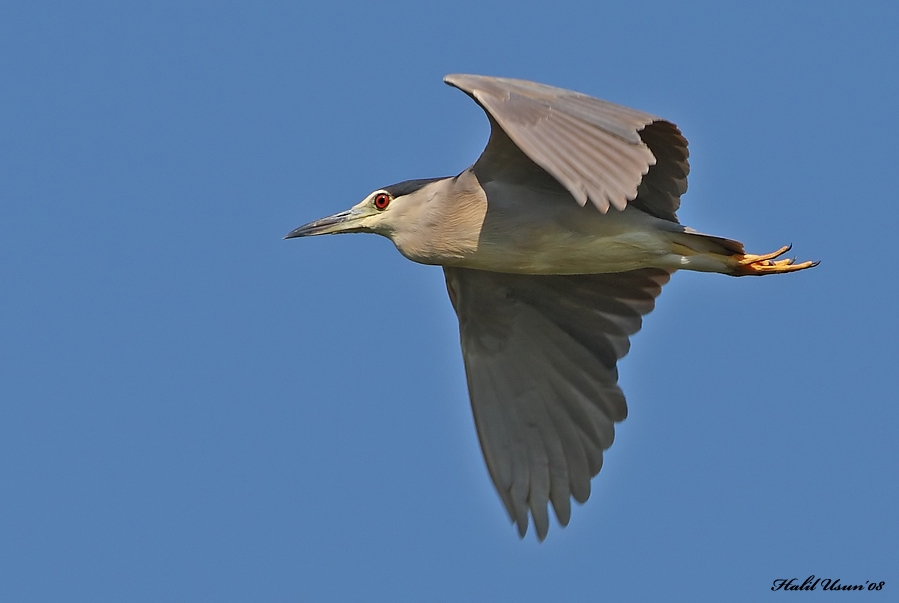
(382, 200)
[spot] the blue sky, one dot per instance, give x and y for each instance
(193, 409)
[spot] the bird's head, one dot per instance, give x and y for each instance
(381, 212)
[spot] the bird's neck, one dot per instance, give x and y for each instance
(443, 233)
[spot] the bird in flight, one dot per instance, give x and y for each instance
(554, 244)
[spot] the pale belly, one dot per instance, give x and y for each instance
(572, 241)
(573, 254)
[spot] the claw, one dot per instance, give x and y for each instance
(758, 265)
(752, 259)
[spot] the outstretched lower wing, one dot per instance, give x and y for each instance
(540, 356)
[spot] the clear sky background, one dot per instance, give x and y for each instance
(193, 409)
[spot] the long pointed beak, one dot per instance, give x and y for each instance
(344, 221)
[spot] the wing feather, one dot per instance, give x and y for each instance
(597, 150)
(540, 357)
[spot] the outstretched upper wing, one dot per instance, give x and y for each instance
(596, 149)
(540, 356)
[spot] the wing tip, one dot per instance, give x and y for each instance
(458, 80)
(540, 518)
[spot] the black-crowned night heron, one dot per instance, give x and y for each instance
(547, 288)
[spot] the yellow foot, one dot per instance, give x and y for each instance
(758, 265)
